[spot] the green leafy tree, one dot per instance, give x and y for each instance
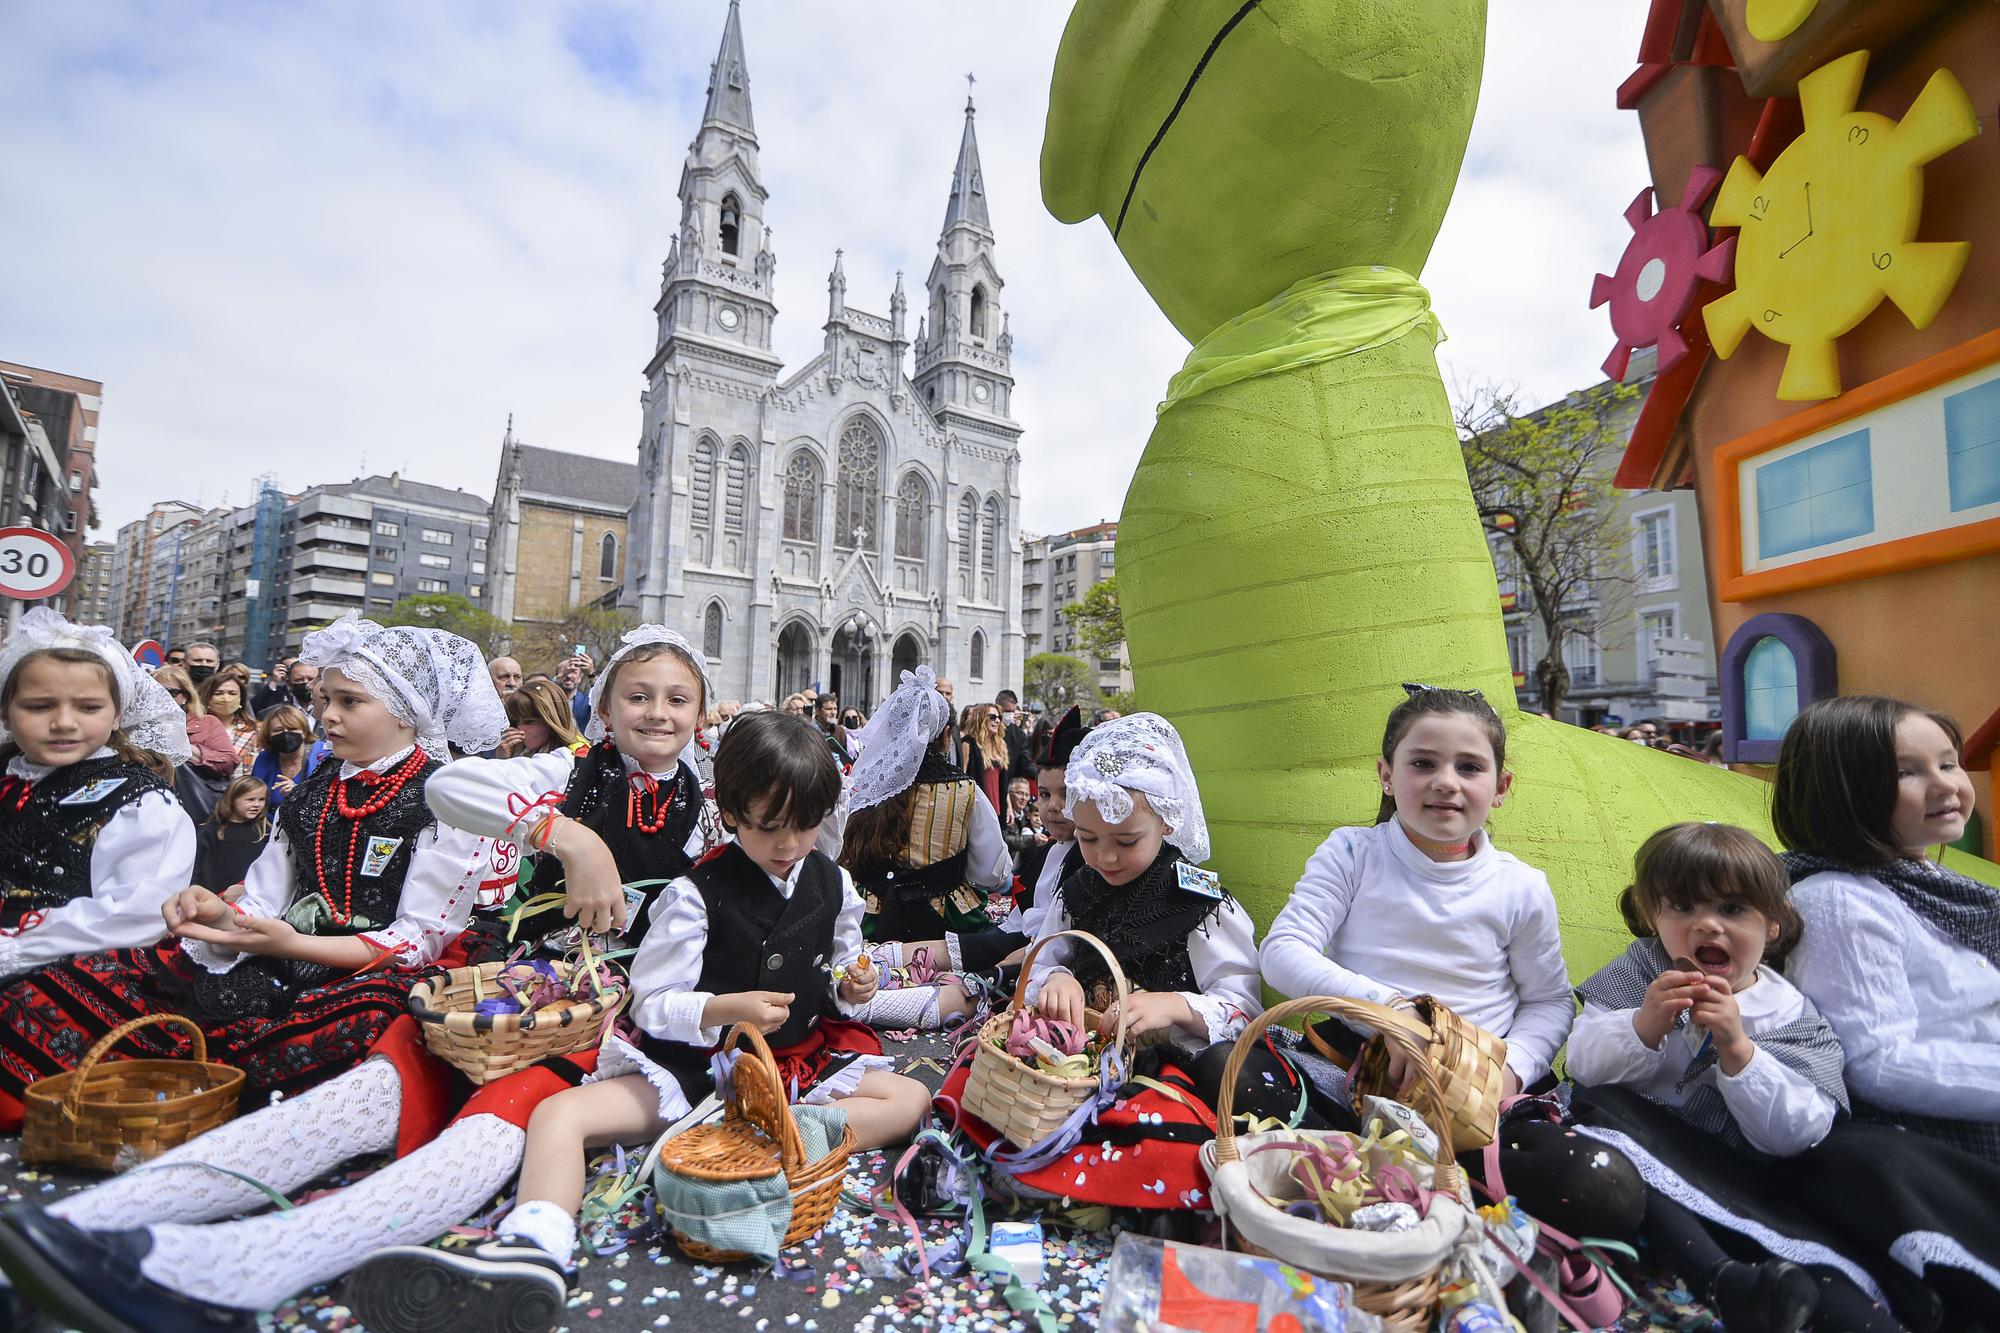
(1099, 626)
(1543, 485)
(1057, 680)
(451, 612)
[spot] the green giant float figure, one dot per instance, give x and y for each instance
(1300, 537)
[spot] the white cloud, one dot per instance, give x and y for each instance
(312, 240)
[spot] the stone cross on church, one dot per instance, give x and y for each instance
(856, 517)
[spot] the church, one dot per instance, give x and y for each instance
(838, 525)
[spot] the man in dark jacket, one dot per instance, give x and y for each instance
(1020, 753)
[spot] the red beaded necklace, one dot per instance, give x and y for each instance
(384, 791)
(635, 811)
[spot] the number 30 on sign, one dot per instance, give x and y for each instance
(33, 564)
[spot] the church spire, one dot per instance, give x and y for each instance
(968, 185)
(729, 80)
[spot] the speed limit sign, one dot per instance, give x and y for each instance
(33, 563)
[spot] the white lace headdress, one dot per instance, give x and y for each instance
(1143, 753)
(639, 638)
(431, 680)
(147, 714)
(894, 741)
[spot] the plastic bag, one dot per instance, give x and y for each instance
(1160, 1286)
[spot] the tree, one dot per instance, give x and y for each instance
(451, 612)
(1057, 680)
(1099, 625)
(599, 629)
(1543, 485)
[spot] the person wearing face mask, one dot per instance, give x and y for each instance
(201, 661)
(301, 678)
(282, 762)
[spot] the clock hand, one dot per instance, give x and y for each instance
(1809, 225)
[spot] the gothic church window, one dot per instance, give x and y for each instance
(607, 557)
(978, 671)
(736, 487)
(711, 631)
(802, 498)
(979, 312)
(859, 499)
(913, 505)
(732, 223)
(989, 553)
(968, 531)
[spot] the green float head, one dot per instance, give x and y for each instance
(1234, 148)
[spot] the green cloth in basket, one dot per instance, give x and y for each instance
(746, 1215)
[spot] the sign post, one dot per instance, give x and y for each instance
(34, 564)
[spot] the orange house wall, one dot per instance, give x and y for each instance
(1931, 635)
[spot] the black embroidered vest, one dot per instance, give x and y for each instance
(760, 940)
(377, 850)
(49, 829)
(1034, 861)
(596, 797)
(1145, 923)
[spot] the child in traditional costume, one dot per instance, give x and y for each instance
(359, 889)
(925, 853)
(92, 841)
(1043, 867)
(749, 935)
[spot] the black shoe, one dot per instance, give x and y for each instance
(91, 1280)
(1768, 1297)
(505, 1285)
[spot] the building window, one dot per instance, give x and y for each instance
(382, 579)
(1654, 553)
(802, 498)
(978, 671)
(432, 585)
(701, 485)
(478, 567)
(75, 480)
(1521, 652)
(388, 529)
(1815, 497)
(1663, 623)
(389, 553)
(989, 549)
(478, 543)
(475, 591)
(1772, 666)
(968, 529)
(732, 223)
(1580, 655)
(979, 312)
(1972, 446)
(436, 537)
(913, 508)
(736, 487)
(859, 498)
(607, 556)
(429, 561)
(711, 631)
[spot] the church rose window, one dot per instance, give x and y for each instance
(860, 497)
(913, 503)
(802, 498)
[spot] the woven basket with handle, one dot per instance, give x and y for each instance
(485, 1047)
(1396, 1275)
(114, 1114)
(1470, 1064)
(1023, 1103)
(756, 1138)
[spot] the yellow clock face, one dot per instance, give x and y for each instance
(1830, 229)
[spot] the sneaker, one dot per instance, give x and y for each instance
(505, 1285)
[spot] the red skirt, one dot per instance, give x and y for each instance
(51, 1017)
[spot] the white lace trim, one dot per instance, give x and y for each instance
(1916, 1250)
(433, 682)
(895, 739)
(594, 730)
(1657, 1174)
(1139, 753)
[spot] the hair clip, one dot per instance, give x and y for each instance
(1413, 689)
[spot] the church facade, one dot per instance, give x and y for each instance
(840, 524)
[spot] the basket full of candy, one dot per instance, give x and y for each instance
(491, 1020)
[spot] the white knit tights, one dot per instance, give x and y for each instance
(286, 1145)
(258, 1262)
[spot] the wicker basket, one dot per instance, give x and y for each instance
(109, 1116)
(1407, 1304)
(756, 1138)
(1470, 1064)
(485, 1047)
(1026, 1104)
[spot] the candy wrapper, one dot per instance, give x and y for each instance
(1384, 1217)
(1509, 1230)
(1157, 1286)
(1394, 1117)
(1479, 1317)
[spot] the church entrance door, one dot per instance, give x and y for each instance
(852, 672)
(905, 656)
(795, 660)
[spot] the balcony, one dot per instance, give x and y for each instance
(322, 557)
(319, 585)
(339, 534)
(315, 612)
(335, 506)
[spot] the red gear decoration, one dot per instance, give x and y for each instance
(1667, 258)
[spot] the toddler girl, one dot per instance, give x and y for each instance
(234, 835)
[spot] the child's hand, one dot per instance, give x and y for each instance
(198, 907)
(1671, 994)
(765, 1010)
(1510, 1083)
(593, 893)
(261, 934)
(858, 987)
(1062, 999)
(1716, 1012)
(1153, 1011)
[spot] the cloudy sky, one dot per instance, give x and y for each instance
(320, 239)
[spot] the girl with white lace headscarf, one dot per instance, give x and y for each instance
(925, 851)
(92, 841)
(358, 888)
